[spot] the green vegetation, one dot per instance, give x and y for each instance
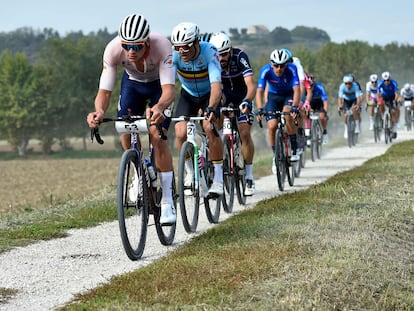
(48, 83)
(348, 248)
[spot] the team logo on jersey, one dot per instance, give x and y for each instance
(168, 61)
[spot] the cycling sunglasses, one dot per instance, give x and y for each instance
(184, 48)
(134, 46)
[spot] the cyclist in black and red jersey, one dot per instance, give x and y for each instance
(239, 88)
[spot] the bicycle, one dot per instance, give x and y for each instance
(201, 176)
(409, 115)
(350, 125)
(234, 167)
(283, 151)
(138, 189)
(316, 135)
(377, 123)
(387, 124)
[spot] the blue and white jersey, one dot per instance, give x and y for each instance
(319, 93)
(351, 93)
(197, 75)
(278, 85)
(387, 90)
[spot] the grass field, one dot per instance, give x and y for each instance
(348, 248)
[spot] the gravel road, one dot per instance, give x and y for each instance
(49, 273)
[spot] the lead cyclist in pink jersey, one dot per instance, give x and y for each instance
(148, 80)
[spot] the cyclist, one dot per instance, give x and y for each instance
(198, 69)
(239, 88)
(283, 95)
(148, 77)
(407, 94)
(350, 96)
(318, 100)
(371, 98)
(388, 94)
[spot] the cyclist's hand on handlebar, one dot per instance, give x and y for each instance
(94, 119)
(294, 111)
(260, 114)
(156, 114)
(245, 106)
(210, 114)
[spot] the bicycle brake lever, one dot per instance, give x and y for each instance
(95, 133)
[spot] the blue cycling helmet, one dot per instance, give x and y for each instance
(289, 53)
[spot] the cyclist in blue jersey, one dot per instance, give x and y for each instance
(350, 96)
(239, 89)
(388, 95)
(283, 95)
(198, 68)
(318, 100)
(371, 98)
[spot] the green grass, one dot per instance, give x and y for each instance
(346, 244)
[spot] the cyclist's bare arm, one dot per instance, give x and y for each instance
(215, 97)
(166, 99)
(101, 105)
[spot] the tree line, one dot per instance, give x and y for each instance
(48, 83)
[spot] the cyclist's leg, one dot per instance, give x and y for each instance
(244, 125)
(291, 128)
(274, 103)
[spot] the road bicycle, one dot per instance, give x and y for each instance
(316, 135)
(350, 125)
(234, 167)
(377, 127)
(387, 124)
(196, 149)
(408, 115)
(138, 188)
(283, 151)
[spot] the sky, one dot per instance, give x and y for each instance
(376, 22)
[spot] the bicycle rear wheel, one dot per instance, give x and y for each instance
(228, 175)
(280, 160)
(239, 170)
(189, 195)
(132, 204)
(166, 234)
(319, 137)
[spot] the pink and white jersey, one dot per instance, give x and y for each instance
(157, 64)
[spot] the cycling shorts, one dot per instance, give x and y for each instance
(136, 96)
(190, 106)
(276, 102)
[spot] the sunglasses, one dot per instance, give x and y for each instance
(348, 83)
(279, 65)
(183, 48)
(135, 46)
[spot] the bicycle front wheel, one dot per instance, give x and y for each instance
(211, 205)
(188, 193)
(166, 234)
(228, 175)
(377, 127)
(133, 204)
(240, 171)
(387, 128)
(280, 160)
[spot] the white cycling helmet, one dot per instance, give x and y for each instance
(407, 86)
(279, 57)
(205, 36)
(184, 33)
(385, 75)
(348, 79)
(134, 28)
(221, 41)
(373, 77)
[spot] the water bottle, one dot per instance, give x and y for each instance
(151, 173)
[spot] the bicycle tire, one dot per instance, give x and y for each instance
(189, 203)
(228, 175)
(319, 136)
(240, 170)
(166, 234)
(351, 130)
(303, 157)
(280, 160)
(387, 128)
(212, 206)
(314, 141)
(377, 127)
(408, 119)
(298, 166)
(132, 216)
(290, 166)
